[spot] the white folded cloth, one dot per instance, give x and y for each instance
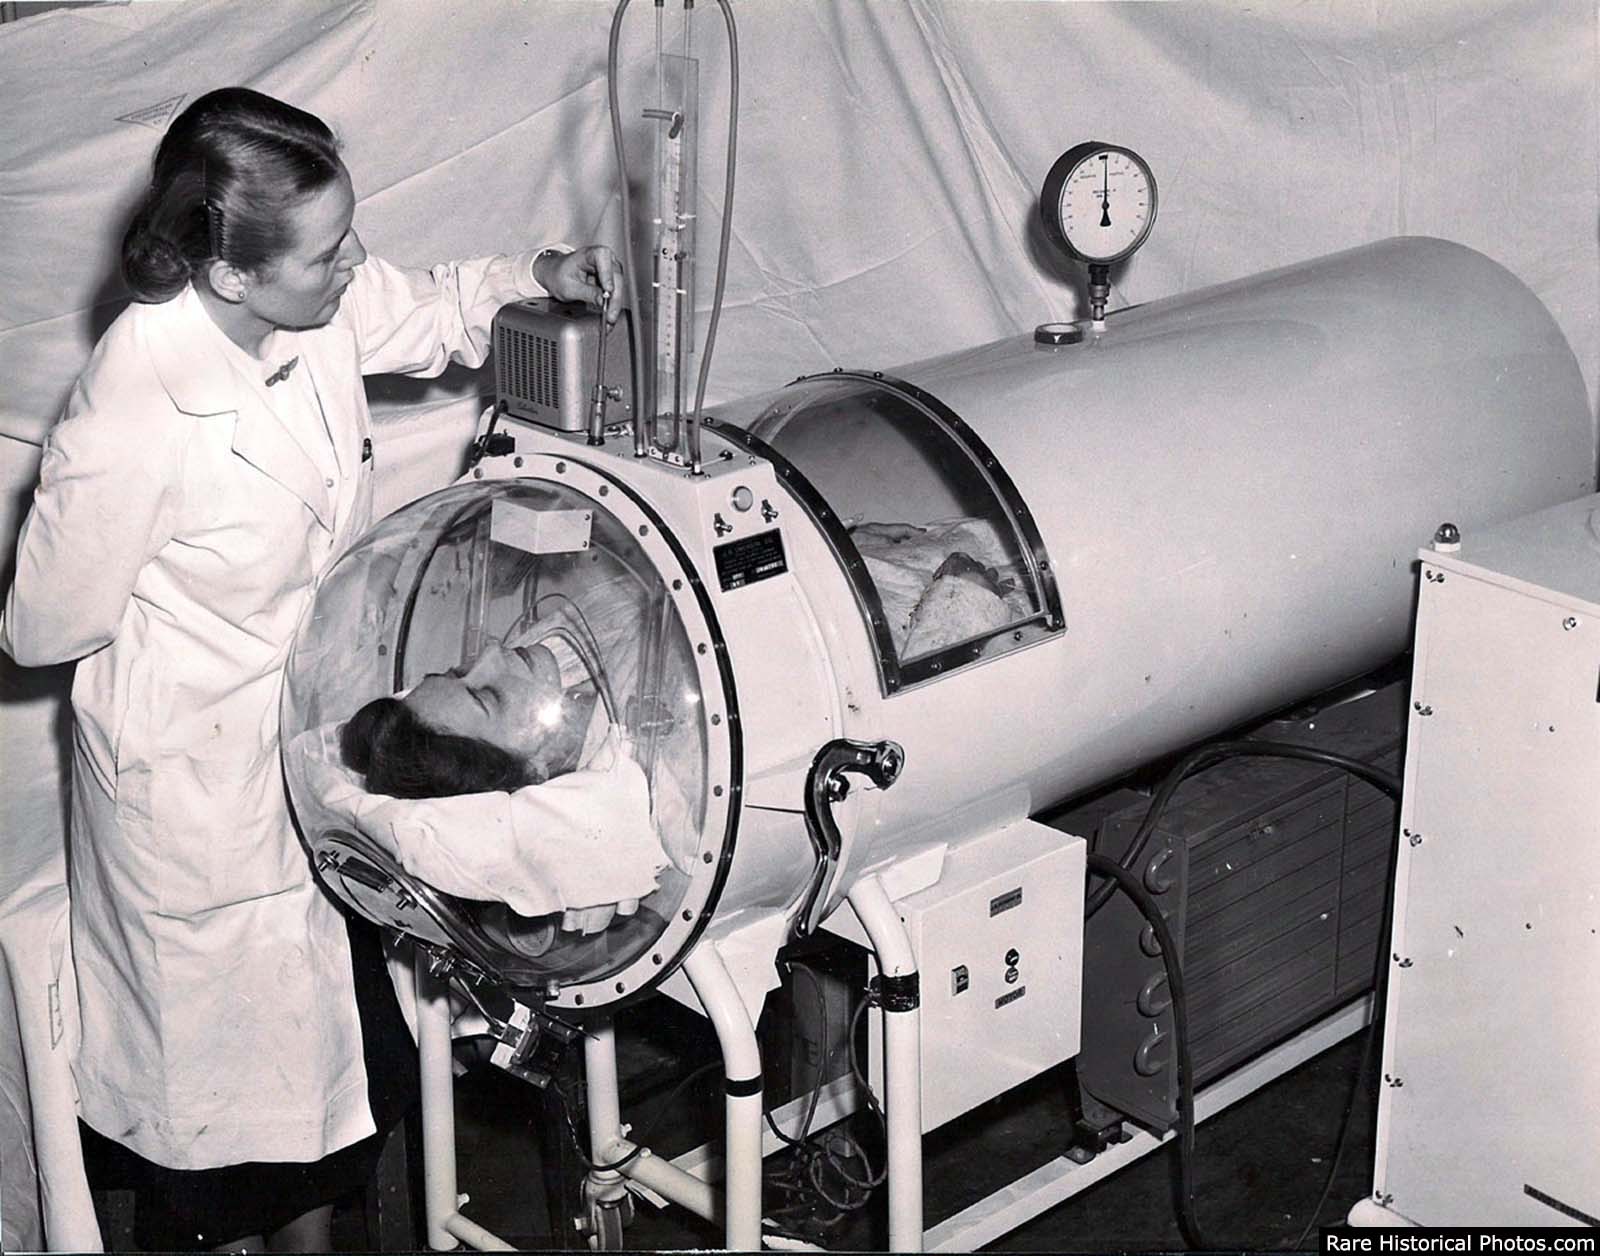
(584, 839)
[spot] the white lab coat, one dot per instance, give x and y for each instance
(176, 537)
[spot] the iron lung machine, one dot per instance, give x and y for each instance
(882, 619)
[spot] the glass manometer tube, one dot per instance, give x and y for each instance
(673, 282)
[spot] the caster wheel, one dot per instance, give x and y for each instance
(607, 1222)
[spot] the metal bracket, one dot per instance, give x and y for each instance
(1096, 1126)
(880, 762)
(491, 444)
(531, 1044)
(895, 994)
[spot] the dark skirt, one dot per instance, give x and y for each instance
(197, 1209)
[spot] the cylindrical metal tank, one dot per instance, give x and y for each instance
(1032, 567)
(1230, 486)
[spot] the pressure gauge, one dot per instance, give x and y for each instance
(1099, 202)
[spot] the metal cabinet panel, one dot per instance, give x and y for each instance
(1491, 1087)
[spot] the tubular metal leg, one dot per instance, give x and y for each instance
(902, 1033)
(741, 1059)
(608, 1143)
(438, 1107)
(600, 1084)
(607, 1206)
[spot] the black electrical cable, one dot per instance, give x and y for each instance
(865, 1089)
(815, 1156)
(1121, 875)
(1120, 878)
(1357, 1089)
(643, 1139)
(1369, 1053)
(822, 1066)
(1209, 755)
(578, 1144)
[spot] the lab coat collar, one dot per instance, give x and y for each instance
(201, 380)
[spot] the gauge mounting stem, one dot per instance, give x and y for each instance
(1099, 290)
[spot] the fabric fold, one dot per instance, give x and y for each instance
(584, 839)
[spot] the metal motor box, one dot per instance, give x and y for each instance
(546, 354)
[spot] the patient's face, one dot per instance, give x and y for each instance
(512, 698)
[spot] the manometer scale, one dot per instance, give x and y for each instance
(673, 279)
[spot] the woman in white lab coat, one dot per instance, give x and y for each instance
(214, 457)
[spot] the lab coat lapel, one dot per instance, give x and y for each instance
(262, 441)
(325, 350)
(201, 382)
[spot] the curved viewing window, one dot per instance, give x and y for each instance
(945, 561)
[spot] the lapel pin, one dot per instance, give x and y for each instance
(282, 373)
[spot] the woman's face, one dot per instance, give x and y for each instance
(512, 698)
(303, 286)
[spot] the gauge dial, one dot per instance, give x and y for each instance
(1099, 202)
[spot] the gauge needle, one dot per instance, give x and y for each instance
(1105, 193)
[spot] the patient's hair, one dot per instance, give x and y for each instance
(224, 176)
(404, 758)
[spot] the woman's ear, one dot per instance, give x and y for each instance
(227, 281)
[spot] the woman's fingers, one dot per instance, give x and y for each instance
(590, 274)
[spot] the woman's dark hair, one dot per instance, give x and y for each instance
(404, 758)
(225, 174)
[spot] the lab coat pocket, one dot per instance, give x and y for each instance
(130, 752)
(223, 830)
(360, 518)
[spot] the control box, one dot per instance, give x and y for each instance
(999, 947)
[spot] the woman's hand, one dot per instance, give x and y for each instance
(590, 274)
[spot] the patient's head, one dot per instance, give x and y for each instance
(500, 724)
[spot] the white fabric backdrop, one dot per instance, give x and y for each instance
(890, 154)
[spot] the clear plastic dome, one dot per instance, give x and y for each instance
(502, 566)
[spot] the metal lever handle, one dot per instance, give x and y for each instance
(597, 399)
(881, 763)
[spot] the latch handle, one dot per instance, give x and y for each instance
(881, 763)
